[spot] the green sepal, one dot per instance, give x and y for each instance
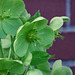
(65, 19)
(47, 35)
(63, 71)
(56, 23)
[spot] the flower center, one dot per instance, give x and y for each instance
(4, 15)
(32, 35)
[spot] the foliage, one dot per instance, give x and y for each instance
(25, 39)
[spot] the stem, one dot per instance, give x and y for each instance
(27, 69)
(1, 52)
(11, 51)
(31, 67)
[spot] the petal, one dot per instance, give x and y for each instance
(23, 30)
(39, 23)
(21, 46)
(13, 7)
(11, 26)
(35, 47)
(2, 33)
(47, 35)
(56, 23)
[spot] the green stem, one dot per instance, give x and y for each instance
(31, 67)
(27, 69)
(11, 51)
(1, 52)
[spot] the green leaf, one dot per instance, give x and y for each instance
(39, 57)
(56, 65)
(65, 18)
(3, 72)
(21, 46)
(62, 71)
(37, 14)
(14, 66)
(44, 67)
(25, 16)
(27, 59)
(47, 35)
(17, 67)
(39, 23)
(11, 26)
(56, 23)
(6, 43)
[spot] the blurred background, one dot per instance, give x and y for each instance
(63, 49)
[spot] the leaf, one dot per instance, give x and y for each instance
(14, 66)
(21, 46)
(39, 57)
(39, 23)
(37, 14)
(56, 65)
(25, 16)
(65, 18)
(62, 71)
(56, 23)
(6, 43)
(17, 67)
(27, 59)
(47, 35)
(3, 72)
(44, 67)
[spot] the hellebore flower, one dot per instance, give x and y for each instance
(10, 10)
(33, 36)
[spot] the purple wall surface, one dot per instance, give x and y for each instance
(48, 8)
(73, 12)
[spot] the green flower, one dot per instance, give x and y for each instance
(10, 10)
(33, 36)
